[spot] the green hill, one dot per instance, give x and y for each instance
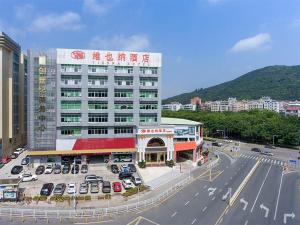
(278, 82)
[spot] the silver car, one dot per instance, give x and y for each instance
(84, 188)
(94, 188)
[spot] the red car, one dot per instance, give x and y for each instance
(117, 187)
(6, 159)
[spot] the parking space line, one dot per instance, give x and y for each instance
(174, 214)
(204, 208)
(193, 221)
(196, 194)
(187, 203)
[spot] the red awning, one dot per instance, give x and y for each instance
(103, 143)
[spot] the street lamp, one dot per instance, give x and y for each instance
(274, 135)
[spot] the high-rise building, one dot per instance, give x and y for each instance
(12, 102)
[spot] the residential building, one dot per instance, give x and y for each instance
(173, 106)
(12, 104)
(293, 109)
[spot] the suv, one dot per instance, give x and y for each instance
(57, 169)
(136, 179)
(25, 161)
(40, 170)
(123, 175)
(75, 169)
(66, 169)
(16, 170)
(93, 179)
(132, 168)
(94, 187)
(59, 189)
(47, 189)
(255, 150)
(114, 168)
(84, 168)
(84, 188)
(49, 169)
(106, 188)
(71, 188)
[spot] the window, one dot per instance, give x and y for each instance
(123, 69)
(70, 118)
(123, 105)
(97, 105)
(70, 92)
(148, 94)
(70, 68)
(71, 80)
(123, 93)
(123, 118)
(148, 70)
(97, 130)
(98, 118)
(96, 80)
(96, 93)
(148, 81)
(148, 118)
(71, 131)
(123, 81)
(97, 69)
(148, 106)
(70, 105)
(123, 130)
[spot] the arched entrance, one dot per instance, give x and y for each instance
(156, 151)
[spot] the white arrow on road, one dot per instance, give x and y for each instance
(286, 215)
(245, 203)
(211, 191)
(265, 208)
(226, 195)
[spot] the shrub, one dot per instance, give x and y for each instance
(142, 164)
(170, 163)
(39, 198)
(87, 198)
(133, 191)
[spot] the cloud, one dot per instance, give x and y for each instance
(98, 7)
(24, 11)
(11, 31)
(258, 41)
(65, 21)
(136, 42)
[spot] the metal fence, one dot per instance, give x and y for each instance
(62, 214)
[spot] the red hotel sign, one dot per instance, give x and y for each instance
(156, 131)
(77, 55)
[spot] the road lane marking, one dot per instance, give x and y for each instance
(204, 208)
(281, 163)
(278, 196)
(194, 221)
(213, 198)
(187, 203)
(242, 200)
(205, 187)
(264, 208)
(292, 215)
(269, 160)
(246, 222)
(174, 214)
(261, 188)
(196, 194)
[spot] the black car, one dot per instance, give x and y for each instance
(132, 168)
(255, 150)
(124, 175)
(57, 169)
(40, 170)
(47, 189)
(75, 169)
(14, 156)
(84, 168)
(114, 168)
(106, 188)
(16, 169)
(66, 169)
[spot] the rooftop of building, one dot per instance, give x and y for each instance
(177, 121)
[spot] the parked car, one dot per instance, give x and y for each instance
(255, 150)
(49, 169)
(28, 177)
(117, 187)
(6, 159)
(40, 170)
(125, 168)
(66, 169)
(84, 188)
(267, 153)
(57, 169)
(18, 151)
(59, 189)
(114, 168)
(123, 175)
(25, 161)
(123, 160)
(75, 169)
(127, 184)
(136, 179)
(84, 168)
(16, 170)
(71, 188)
(132, 168)
(47, 189)
(1, 165)
(106, 188)
(93, 179)
(94, 187)
(14, 156)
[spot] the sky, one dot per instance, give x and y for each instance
(203, 42)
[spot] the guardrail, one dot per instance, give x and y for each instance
(61, 214)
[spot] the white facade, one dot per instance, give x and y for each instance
(175, 106)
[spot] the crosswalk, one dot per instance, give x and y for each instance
(263, 159)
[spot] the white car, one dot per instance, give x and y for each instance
(18, 151)
(28, 177)
(127, 184)
(71, 188)
(49, 169)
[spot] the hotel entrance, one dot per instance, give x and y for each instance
(156, 152)
(158, 158)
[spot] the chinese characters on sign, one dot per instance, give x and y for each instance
(97, 57)
(155, 131)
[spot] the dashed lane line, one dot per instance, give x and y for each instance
(204, 208)
(174, 214)
(278, 196)
(187, 203)
(194, 221)
(196, 194)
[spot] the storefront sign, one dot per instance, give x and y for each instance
(155, 131)
(184, 131)
(10, 195)
(97, 57)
